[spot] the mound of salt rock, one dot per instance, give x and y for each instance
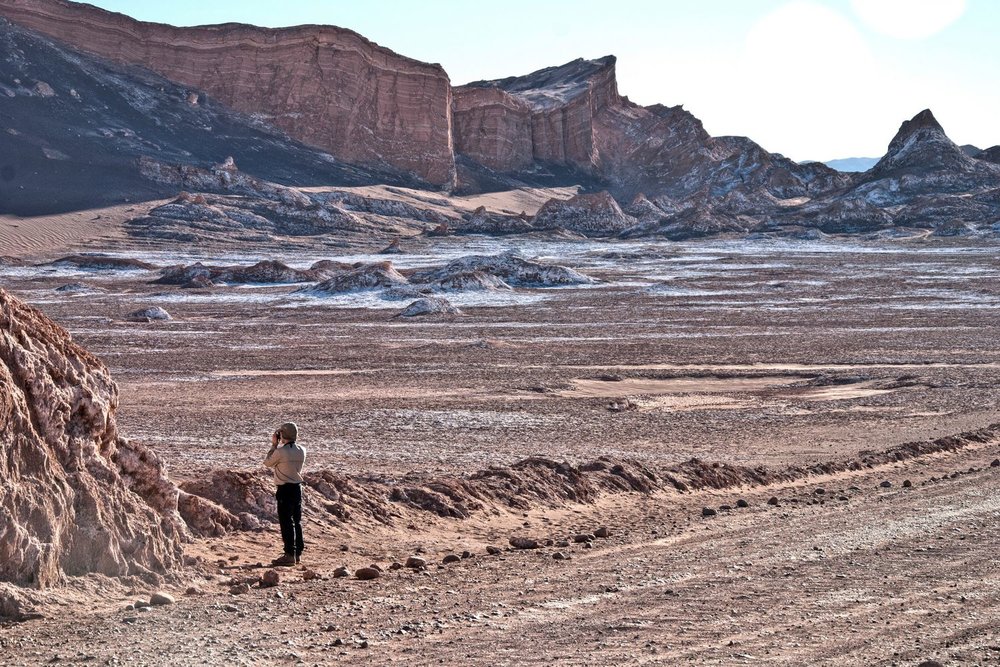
(366, 277)
(264, 272)
(154, 314)
(511, 268)
(75, 498)
(432, 305)
(596, 214)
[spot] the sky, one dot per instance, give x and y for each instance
(811, 79)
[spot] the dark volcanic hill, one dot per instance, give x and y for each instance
(73, 126)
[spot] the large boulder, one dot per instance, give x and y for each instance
(75, 498)
(596, 214)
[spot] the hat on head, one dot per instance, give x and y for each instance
(289, 431)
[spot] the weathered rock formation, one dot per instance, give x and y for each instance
(263, 272)
(432, 305)
(367, 277)
(595, 214)
(75, 498)
(508, 267)
(325, 86)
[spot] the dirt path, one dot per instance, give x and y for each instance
(859, 574)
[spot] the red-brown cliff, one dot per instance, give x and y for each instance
(325, 86)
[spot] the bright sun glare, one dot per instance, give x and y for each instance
(909, 19)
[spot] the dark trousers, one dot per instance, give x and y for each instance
(289, 497)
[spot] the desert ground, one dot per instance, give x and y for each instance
(774, 355)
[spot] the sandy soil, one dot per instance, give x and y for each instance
(757, 354)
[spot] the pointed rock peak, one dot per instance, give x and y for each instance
(924, 120)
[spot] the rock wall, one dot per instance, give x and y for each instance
(324, 86)
(75, 498)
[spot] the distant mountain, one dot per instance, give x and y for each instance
(852, 164)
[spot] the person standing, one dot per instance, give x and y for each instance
(286, 458)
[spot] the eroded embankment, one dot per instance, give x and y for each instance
(243, 500)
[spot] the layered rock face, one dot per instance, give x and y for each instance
(325, 86)
(573, 117)
(75, 498)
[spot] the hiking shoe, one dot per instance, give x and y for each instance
(284, 560)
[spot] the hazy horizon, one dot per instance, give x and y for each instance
(811, 79)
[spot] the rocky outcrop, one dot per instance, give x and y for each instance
(493, 128)
(595, 214)
(263, 272)
(509, 267)
(75, 497)
(367, 277)
(325, 86)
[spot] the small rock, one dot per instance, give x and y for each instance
(396, 566)
(708, 511)
(588, 545)
(451, 558)
(562, 544)
(493, 551)
(130, 619)
(742, 503)
(603, 532)
(269, 579)
(415, 562)
(367, 573)
(338, 642)
(523, 543)
(773, 500)
(341, 571)
(560, 556)
(142, 604)
(467, 554)
(159, 599)
(995, 463)
(231, 608)
(583, 537)
(907, 483)
(192, 590)
(930, 663)
(726, 508)
(309, 575)
(820, 491)
(886, 484)
(240, 589)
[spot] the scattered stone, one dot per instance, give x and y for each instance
(240, 589)
(820, 491)
(523, 543)
(493, 551)
(588, 545)
(231, 608)
(708, 511)
(416, 562)
(159, 599)
(396, 566)
(742, 503)
(392, 249)
(603, 532)
(995, 463)
(341, 571)
(560, 556)
(130, 619)
(886, 484)
(930, 663)
(467, 554)
(142, 604)
(907, 483)
(773, 500)
(269, 579)
(583, 537)
(432, 305)
(725, 508)
(192, 590)
(367, 573)
(154, 314)
(562, 544)
(451, 558)
(309, 575)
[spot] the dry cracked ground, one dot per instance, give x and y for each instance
(773, 353)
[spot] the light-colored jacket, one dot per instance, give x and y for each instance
(287, 461)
